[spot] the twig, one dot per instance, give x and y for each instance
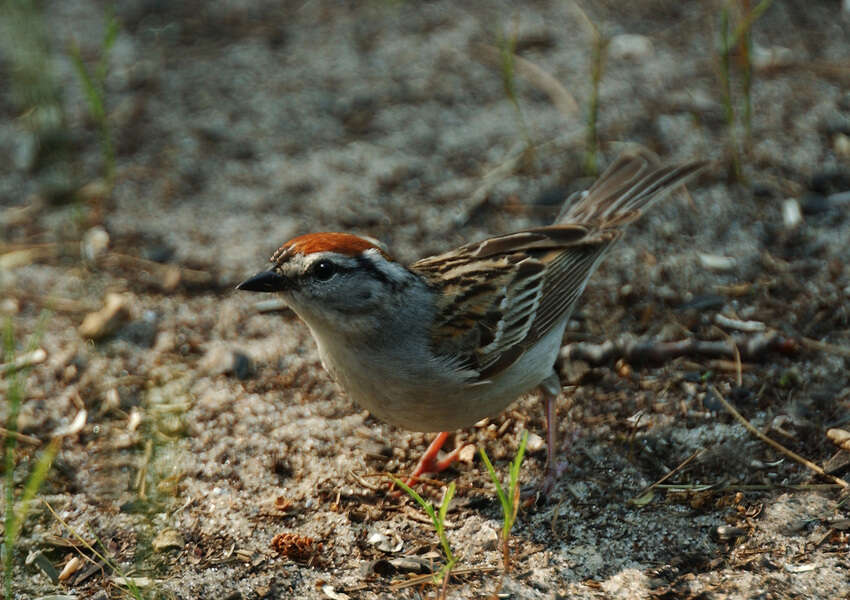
(20, 437)
(726, 487)
(776, 445)
(419, 579)
(558, 94)
(165, 272)
(681, 466)
(648, 350)
(24, 361)
(825, 347)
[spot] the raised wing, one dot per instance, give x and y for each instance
(500, 296)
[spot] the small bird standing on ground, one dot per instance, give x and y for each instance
(448, 340)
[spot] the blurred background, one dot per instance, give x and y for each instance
(167, 428)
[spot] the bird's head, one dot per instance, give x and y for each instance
(332, 279)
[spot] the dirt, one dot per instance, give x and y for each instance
(218, 459)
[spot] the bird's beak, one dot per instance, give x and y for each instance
(267, 281)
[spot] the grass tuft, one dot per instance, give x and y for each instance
(438, 518)
(737, 42)
(132, 588)
(509, 499)
(507, 55)
(16, 513)
(93, 84)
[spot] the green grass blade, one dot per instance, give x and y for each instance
(441, 530)
(499, 491)
(517, 462)
(91, 91)
(14, 396)
(13, 399)
(426, 506)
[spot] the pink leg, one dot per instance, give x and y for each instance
(429, 463)
(551, 387)
(551, 430)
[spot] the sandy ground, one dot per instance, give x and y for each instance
(211, 427)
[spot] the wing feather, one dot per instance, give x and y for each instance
(498, 297)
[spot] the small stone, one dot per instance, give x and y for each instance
(630, 46)
(728, 532)
(384, 542)
(71, 567)
(95, 243)
(841, 145)
(108, 319)
(329, 592)
(167, 539)
(839, 437)
(766, 58)
(792, 216)
(535, 443)
(713, 262)
(466, 454)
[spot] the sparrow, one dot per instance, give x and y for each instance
(439, 344)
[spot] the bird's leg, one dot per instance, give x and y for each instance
(429, 463)
(551, 388)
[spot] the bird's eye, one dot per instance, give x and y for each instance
(324, 270)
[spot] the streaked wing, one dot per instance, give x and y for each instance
(503, 294)
(498, 297)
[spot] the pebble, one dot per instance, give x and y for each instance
(383, 543)
(630, 46)
(535, 443)
(71, 567)
(99, 324)
(728, 532)
(792, 216)
(95, 243)
(713, 262)
(839, 437)
(167, 539)
(841, 145)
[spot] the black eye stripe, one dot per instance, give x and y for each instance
(324, 268)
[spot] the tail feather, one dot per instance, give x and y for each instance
(625, 190)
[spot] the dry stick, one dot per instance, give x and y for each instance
(681, 466)
(24, 361)
(825, 347)
(776, 445)
(80, 539)
(738, 365)
(536, 76)
(419, 579)
(21, 437)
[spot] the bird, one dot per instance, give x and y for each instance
(444, 342)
